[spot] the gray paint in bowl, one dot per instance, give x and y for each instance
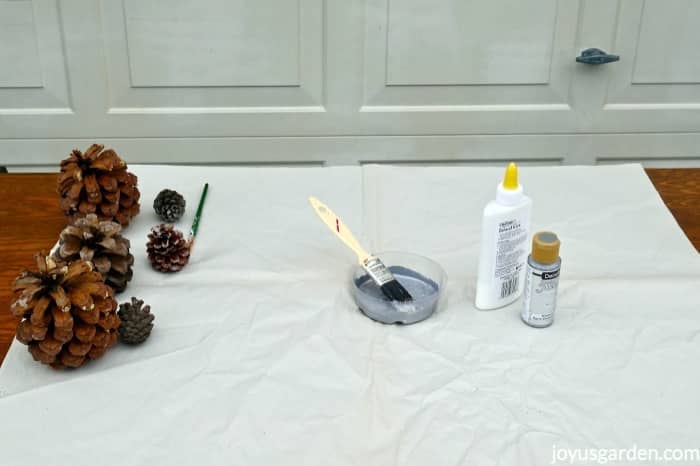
(426, 294)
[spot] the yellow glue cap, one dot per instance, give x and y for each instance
(510, 180)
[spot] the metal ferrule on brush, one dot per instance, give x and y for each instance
(381, 275)
(377, 270)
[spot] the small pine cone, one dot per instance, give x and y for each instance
(167, 249)
(68, 314)
(97, 182)
(137, 322)
(169, 205)
(100, 243)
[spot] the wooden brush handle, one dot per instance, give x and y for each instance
(334, 223)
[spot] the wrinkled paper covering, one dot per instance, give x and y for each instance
(259, 356)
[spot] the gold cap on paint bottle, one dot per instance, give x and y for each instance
(545, 247)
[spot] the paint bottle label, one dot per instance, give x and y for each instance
(540, 296)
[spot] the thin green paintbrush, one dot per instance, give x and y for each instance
(198, 215)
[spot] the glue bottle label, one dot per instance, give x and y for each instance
(540, 296)
(510, 257)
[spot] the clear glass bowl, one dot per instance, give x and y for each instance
(424, 278)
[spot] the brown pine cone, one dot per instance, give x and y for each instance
(137, 322)
(97, 182)
(169, 205)
(100, 243)
(167, 248)
(68, 313)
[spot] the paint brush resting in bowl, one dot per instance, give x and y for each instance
(374, 267)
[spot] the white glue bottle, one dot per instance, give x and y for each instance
(504, 233)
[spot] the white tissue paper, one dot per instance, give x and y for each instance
(259, 356)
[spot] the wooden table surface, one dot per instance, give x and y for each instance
(30, 221)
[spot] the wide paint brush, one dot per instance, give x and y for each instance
(374, 267)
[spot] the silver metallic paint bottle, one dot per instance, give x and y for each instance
(541, 280)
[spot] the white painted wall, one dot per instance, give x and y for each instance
(350, 81)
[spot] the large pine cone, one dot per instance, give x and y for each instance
(169, 205)
(137, 321)
(100, 243)
(96, 182)
(68, 312)
(167, 248)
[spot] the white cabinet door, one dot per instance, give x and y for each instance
(646, 107)
(469, 67)
(33, 79)
(656, 86)
(350, 81)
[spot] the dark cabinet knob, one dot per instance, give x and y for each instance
(596, 57)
